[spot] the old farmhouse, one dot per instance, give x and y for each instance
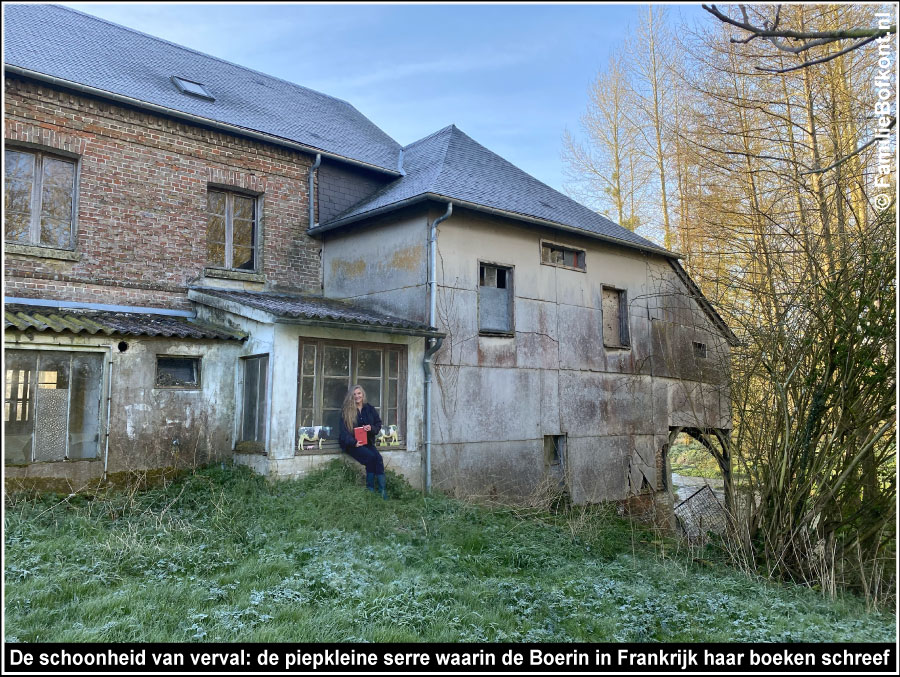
(200, 259)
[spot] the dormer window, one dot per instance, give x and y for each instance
(192, 88)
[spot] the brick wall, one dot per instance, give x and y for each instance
(141, 224)
(341, 186)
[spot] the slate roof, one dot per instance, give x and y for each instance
(450, 165)
(107, 322)
(314, 308)
(67, 44)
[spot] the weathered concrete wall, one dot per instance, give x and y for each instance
(382, 264)
(498, 397)
(149, 427)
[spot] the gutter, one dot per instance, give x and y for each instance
(495, 212)
(437, 342)
(196, 119)
(312, 183)
(334, 324)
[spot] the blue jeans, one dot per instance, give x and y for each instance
(369, 457)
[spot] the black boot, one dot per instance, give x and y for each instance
(382, 485)
(370, 481)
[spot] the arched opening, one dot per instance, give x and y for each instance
(705, 497)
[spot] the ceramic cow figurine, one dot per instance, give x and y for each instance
(311, 434)
(388, 438)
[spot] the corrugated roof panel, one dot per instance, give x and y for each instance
(87, 321)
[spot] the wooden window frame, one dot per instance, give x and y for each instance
(318, 387)
(230, 193)
(566, 248)
(35, 202)
(262, 396)
(624, 325)
(511, 290)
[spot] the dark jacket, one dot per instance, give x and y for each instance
(367, 416)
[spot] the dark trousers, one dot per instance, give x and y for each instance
(369, 457)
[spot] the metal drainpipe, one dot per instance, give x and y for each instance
(435, 346)
(108, 409)
(312, 183)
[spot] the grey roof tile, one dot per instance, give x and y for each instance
(77, 47)
(108, 323)
(451, 165)
(308, 307)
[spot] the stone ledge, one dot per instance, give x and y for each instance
(42, 252)
(234, 275)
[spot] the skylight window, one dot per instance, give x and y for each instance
(192, 88)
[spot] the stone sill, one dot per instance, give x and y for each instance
(337, 451)
(234, 275)
(42, 252)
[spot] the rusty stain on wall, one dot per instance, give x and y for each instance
(407, 258)
(348, 269)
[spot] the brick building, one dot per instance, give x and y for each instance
(199, 259)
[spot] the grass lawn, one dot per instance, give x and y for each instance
(223, 555)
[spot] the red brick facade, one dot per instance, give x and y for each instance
(142, 199)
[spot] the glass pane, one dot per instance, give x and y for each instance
(57, 189)
(18, 182)
(56, 233)
(262, 399)
(309, 360)
(243, 233)
(391, 418)
(177, 371)
(337, 362)
(251, 400)
(306, 418)
(215, 240)
(369, 363)
(243, 258)
(392, 393)
(546, 253)
(569, 258)
(21, 367)
(215, 203)
(372, 386)
(393, 363)
(84, 406)
(331, 420)
(51, 407)
(333, 392)
(243, 208)
(307, 390)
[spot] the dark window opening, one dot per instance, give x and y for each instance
(254, 409)
(557, 255)
(699, 350)
(177, 372)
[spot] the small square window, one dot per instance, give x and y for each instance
(699, 350)
(177, 372)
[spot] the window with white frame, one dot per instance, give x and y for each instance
(52, 405)
(232, 230)
(39, 199)
(326, 371)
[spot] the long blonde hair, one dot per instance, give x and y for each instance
(348, 409)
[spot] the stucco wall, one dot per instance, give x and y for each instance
(149, 427)
(498, 397)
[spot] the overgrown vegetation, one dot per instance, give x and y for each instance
(224, 555)
(769, 164)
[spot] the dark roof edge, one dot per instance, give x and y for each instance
(196, 119)
(359, 326)
(704, 303)
(488, 210)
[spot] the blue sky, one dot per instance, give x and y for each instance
(513, 77)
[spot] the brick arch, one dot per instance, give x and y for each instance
(45, 136)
